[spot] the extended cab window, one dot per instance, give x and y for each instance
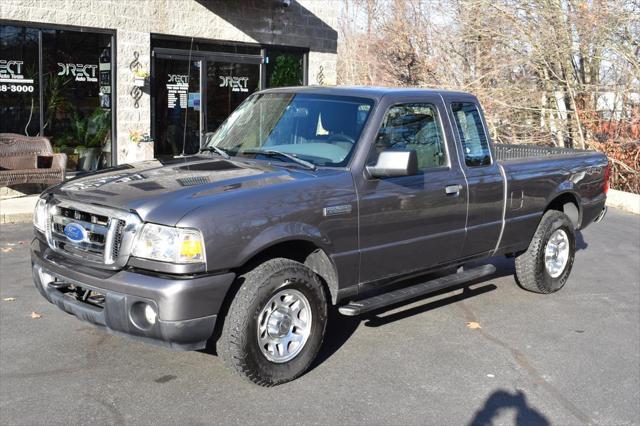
(474, 140)
(412, 127)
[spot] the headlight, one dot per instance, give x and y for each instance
(40, 215)
(169, 244)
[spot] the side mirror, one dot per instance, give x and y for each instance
(394, 163)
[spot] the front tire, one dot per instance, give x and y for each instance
(547, 263)
(275, 324)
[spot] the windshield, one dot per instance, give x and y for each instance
(320, 129)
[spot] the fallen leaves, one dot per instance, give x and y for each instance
(9, 299)
(473, 325)
(35, 315)
(10, 246)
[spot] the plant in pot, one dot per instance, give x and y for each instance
(61, 146)
(55, 105)
(140, 77)
(287, 71)
(139, 148)
(88, 135)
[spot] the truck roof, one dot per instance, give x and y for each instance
(364, 91)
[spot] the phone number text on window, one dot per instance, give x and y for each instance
(16, 88)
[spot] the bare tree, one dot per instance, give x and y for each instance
(551, 72)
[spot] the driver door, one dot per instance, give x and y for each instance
(412, 223)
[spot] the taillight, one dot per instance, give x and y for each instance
(607, 173)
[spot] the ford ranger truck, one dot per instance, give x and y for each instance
(305, 200)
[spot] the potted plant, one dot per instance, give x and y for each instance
(69, 151)
(140, 147)
(140, 77)
(87, 137)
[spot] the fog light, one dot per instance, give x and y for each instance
(150, 314)
(143, 315)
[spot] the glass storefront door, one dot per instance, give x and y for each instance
(192, 97)
(177, 109)
(228, 84)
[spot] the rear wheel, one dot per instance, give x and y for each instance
(275, 324)
(547, 263)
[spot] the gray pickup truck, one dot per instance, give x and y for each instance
(305, 200)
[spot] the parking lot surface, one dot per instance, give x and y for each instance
(568, 358)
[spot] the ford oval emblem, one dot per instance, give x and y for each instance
(75, 232)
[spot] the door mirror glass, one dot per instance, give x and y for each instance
(394, 163)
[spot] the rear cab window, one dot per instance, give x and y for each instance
(473, 138)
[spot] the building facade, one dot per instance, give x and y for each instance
(118, 81)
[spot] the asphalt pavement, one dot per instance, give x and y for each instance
(568, 358)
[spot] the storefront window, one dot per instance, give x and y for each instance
(77, 111)
(285, 68)
(19, 100)
(76, 93)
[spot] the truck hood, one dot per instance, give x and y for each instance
(163, 192)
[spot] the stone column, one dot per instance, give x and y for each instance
(133, 110)
(322, 68)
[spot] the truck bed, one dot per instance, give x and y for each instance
(506, 152)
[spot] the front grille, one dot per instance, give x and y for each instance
(92, 237)
(102, 238)
(84, 216)
(117, 238)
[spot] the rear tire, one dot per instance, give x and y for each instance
(275, 324)
(546, 265)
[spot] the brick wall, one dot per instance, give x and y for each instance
(306, 23)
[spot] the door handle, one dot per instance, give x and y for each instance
(453, 190)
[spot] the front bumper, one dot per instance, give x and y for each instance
(186, 307)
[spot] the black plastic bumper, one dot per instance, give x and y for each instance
(186, 307)
(593, 212)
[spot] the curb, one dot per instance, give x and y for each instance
(624, 201)
(10, 218)
(17, 210)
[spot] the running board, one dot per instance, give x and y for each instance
(407, 293)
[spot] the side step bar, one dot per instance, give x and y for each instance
(407, 293)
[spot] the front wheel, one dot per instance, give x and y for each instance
(275, 324)
(547, 263)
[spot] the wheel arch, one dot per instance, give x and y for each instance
(303, 250)
(567, 202)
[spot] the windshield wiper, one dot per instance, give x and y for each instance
(273, 153)
(221, 152)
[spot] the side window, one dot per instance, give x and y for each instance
(413, 127)
(474, 140)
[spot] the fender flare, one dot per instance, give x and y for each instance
(280, 233)
(566, 188)
(318, 259)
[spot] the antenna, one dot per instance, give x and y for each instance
(186, 110)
